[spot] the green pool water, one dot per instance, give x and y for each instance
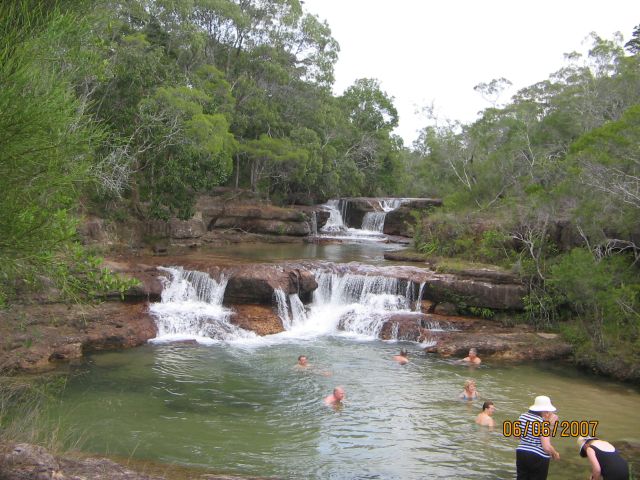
(245, 409)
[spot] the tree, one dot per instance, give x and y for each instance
(633, 45)
(46, 151)
(183, 151)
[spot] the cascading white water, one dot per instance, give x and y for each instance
(356, 305)
(374, 221)
(389, 204)
(191, 309)
(351, 304)
(335, 223)
(336, 228)
(418, 307)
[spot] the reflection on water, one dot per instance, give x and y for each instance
(366, 252)
(249, 410)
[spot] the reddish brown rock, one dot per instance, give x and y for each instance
(511, 344)
(31, 462)
(35, 337)
(403, 326)
(256, 283)
(261, 319)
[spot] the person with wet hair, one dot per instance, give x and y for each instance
(606, 462)
(485, 417)
(473, 357)
(470, 392)
(303, 361)
(402, 358)
(336, 398)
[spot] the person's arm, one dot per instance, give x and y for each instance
(547, 447)
(595, 465)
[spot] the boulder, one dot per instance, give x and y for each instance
(261, 319)
(497, 343)
(256, 283)
(400, 221)
(403, 326)
(470, 292)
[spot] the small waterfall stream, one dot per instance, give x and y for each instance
(191, 309)
(343, 304)
(374, 221)
(348, 304)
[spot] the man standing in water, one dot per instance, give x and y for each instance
(303, 362)
(335, 399)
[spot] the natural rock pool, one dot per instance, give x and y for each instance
(244, 408)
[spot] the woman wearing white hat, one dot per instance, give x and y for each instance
(606, 462)
(534, 452)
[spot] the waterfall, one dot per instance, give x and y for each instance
(283, 308)
(390, 204)
(298, 311)
(354, 304)
(419, 300)
(314, 223)
(191, 309)
(291, 311)
(374, 221)
(349, 304)
(335, 223)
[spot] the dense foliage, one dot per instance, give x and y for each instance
(549, 185)
(135, 107)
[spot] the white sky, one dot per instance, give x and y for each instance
(427, 51)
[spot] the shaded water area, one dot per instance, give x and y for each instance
(244, 408)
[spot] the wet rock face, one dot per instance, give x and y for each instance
(256, 284)
(403, 326)
(400, 221)
(59, 332)
(500, 344)
(261, 217)
(261, 319)
(396, 222)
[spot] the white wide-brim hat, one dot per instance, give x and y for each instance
(542, 404)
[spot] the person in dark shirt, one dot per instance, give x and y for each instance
(606, 462)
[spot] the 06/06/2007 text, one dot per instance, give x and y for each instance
(565, 428)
